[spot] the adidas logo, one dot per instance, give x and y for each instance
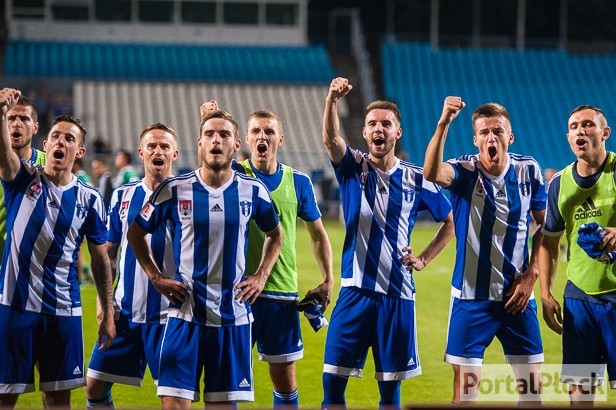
(300, 343)
(587, 210)
(411, 362)
(77, 370)
(52, 204)
(244, 383)
(500, 194)
(382, 190)
(216, 208)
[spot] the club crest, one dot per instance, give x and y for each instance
(246, 207)
(185, 207)
(409, 194)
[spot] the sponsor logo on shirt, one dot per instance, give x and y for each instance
(587, 210)
(146, 211)
(34, 190)
(124, 208)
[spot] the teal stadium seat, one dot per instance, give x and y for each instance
(538, 87)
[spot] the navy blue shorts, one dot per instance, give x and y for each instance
(222, 354)
(589, 342)
(55, 342)
(276, 331)
(362, 320)
(473, 324)
(135, 346)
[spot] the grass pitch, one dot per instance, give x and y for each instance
(433, 387)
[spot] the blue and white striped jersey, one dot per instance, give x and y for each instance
(135, 296)
(45, 227)
(210, 231)
(492, 217)
(380, 209)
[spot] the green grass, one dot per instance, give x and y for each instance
(433, 387)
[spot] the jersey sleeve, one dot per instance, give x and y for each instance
(96, 224)
(434, 201)
(463, 168)
(114, 224)
(157, 210)
(264, 213)
(539, 193)
(554, 223)
(347, 167)
(307, 203)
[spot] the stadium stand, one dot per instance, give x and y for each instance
(538, 87)
(120, 110)
(165, 62)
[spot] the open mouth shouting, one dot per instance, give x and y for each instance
(262, 149)
(59, 155)
(492, 153)
(158, 162)
(581, 143)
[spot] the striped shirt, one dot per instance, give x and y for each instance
(492, 218)
(209, 241)
(135, 296)
(46, 225)
(380, 210)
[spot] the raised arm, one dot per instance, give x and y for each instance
(9, 161)
(322, 250)
(334, 143)
(250, 288)
(435, 170)
(101, 273)
(172, 289)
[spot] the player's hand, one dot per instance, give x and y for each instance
(338, 89)
(208, 107)
(324, 290)
(250, 288)
(552, 314)
(8, 99)
(608, 244)
(172, 289)
(411, 261)
(521, 291)
(451, 108)
(106, 329)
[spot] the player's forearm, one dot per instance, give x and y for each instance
(136, 240)
(433, 161)
(271, 250)
(334, 143)
(101, 273)
(439, 241)
(112, 253)
(547, 261)
(9, 161)
(322, 250)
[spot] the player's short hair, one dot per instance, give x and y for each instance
(384, 105)
(27, 102)
(268, 114)
(220, 114)
(590, 107)
(490, 110)
(158, 126)
(73, 120)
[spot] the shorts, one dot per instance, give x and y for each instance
(589, 339)
(276, 331)
(224, 354)
(474, 323)
(54, 342)
(135, 346)
(364, 319)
